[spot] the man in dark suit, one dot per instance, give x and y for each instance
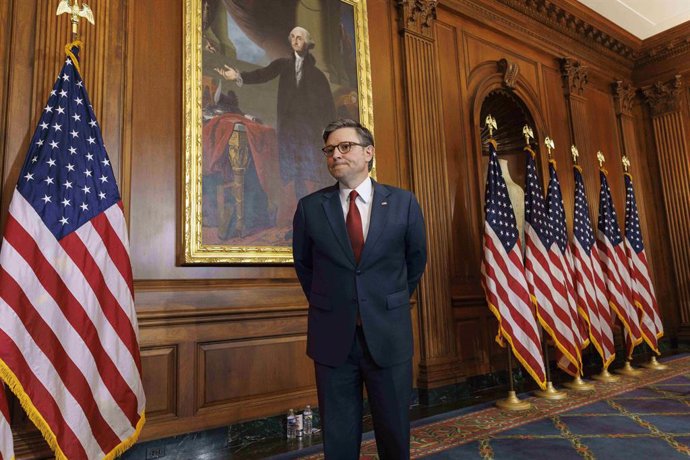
(360, 251)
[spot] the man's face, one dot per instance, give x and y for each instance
(353, 167)
(298, 41)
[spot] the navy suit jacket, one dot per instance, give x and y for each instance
(379, 287)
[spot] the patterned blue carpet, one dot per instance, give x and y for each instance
(651, 422)
(642, 417)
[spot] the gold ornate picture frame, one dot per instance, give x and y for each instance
(253, 117)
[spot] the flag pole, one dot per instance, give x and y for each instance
(577, 383)
(550, 392)
(627, 370)
(512, 402)
(652, 363)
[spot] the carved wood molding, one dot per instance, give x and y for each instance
(574, 76)
(510, 71)
(417, 16)
(553, 15)
(623, 97)
(672, 43)
(663, 97)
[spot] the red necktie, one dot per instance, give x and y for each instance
(354, 226)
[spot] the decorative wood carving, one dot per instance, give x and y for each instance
(574, 76)
(555, 16)
(510, 71)
(670, 44)
(623, 96)
(439, 363)
(417, 16)
(663, 97)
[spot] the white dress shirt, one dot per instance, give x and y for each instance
(365, 192)
(299, 60)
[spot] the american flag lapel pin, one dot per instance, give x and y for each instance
(384, 203)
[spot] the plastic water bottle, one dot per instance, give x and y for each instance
(308, 421)
(291, 425)
(300, 425)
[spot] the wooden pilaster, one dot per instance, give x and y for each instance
(439, 364)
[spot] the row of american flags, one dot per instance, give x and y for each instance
(571, 290)
(68, 330)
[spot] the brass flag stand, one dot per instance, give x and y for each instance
(550, 392)
(512, 402)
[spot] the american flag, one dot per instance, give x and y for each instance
(590, 284)
(562, 266)
(68, 329)
(642, 289)
(6, 442)
(545, 273)
(615, 265)
(503, 275)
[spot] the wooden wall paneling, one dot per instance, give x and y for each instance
(388, 94)
(237, 371)
(461, 163)
(559, 130)
(18, 111)
(649, 194)
(222, 367)
(603, 132)
(5, 45)
(438, 355)
(159, 368)
(669, 112)
(473, 321)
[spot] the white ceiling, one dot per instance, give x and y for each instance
(642, 18)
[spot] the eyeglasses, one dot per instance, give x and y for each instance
(343, 147)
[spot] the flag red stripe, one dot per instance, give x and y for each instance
(116, 250)
(516, 287)
(74, 313)
(517, 319)
(50, 345)
(111, 309)
(507, 326)
(42, 399)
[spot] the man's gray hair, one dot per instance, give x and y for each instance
(307, 36)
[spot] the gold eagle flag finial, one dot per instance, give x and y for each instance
(528, 133)
(575, 153)
(490, 123)
(601, 159)
(549, 145)
(76, 12)
(626, 163)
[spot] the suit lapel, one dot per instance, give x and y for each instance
(377, 223)
(334, 214)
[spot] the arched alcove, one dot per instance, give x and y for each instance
(511, 115)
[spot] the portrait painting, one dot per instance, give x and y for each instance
(262, 80)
